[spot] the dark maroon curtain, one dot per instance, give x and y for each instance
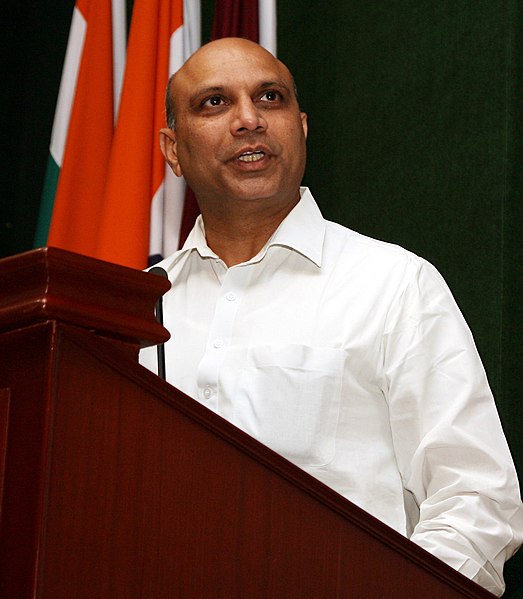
(236, 18)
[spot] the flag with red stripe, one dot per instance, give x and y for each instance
(142, 199)
(83, 127)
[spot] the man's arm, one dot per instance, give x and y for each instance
(450, 447)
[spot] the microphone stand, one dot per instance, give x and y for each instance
(160, 348)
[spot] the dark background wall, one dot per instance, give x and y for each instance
(416, 137)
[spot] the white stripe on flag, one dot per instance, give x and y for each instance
(191, 28)
(64, 103)
(267, 25)
(119, 48)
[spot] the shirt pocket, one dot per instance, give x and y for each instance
(288, 397)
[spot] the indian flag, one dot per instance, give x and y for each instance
(83, 127)
(108, 193)
(143, 200)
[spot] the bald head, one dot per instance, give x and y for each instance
(221, 50)
(236, 133)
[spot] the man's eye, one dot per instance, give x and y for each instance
(271, 96)
(213, 101)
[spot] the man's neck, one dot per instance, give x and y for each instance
(238, 235)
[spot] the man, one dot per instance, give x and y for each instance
(346, 355)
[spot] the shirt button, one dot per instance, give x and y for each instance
(207, 392)
(218, 343)
(230, 296)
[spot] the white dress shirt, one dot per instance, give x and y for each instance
(349, 357)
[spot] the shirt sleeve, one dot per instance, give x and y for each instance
(449, 444)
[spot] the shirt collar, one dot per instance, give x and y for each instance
(303, 231)
(196, 240)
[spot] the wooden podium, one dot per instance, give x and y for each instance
(115, 485)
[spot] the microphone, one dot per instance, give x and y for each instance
(160, 348)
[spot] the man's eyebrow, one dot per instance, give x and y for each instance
(277, 83)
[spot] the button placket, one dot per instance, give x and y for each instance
(220, 335)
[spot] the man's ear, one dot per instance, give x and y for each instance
(168, 147)
(303, 117)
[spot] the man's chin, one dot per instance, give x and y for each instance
(259, 191)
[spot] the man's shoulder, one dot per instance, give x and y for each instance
(343, 245)
(353, 246)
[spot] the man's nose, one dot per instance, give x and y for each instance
(247, 118)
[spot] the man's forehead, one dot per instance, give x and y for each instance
(229, 65)
(221, 83)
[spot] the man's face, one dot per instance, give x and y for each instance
(239, 131)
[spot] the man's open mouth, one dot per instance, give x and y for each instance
(251, 156)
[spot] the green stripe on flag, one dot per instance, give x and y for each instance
(47, 203)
